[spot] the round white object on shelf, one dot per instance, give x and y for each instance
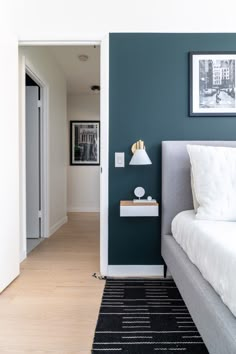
(149, 198)
(139, 192)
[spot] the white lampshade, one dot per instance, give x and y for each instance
(140, 157)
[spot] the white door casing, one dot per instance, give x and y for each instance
(104, 181)
(26, 67)
(32, 162)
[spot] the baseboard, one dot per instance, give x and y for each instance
(23, 256)
(57, 226)
(135, 270)
(83, 210)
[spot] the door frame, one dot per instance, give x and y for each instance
(103, 42)
(28, 68)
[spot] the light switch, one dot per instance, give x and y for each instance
(119, 159)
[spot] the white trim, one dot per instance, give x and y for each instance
(135, 271)
(91, 40)
(58, 224)
(31, 71)
(104, 118)
(27, 67)
(22, 157)
(83, 209)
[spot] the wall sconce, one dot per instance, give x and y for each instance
(140, 157)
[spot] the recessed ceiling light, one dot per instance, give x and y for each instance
(83, 57)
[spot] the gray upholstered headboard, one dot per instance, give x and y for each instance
(176, 189)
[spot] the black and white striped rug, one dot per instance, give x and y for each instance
(145, 316)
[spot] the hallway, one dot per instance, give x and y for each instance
(52, 306)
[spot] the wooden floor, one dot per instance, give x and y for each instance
(52, 307)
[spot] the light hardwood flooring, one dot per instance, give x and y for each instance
(52, 307)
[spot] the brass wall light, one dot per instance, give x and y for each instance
(140, 156)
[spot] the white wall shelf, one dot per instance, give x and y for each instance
(130, 209)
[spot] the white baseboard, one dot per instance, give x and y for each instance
(23, 256)
(83, 210)
(135, 270)
(58, 224)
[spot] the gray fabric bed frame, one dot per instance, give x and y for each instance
(215, 322)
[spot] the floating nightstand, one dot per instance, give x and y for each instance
(128, 208)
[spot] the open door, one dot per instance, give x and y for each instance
(33, 213)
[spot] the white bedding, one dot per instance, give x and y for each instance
(211, 246)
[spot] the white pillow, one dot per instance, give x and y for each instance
(195, 202)
(214, 175)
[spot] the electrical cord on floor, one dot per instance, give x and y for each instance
(99, 277)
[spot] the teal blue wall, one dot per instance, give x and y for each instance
(149, 101)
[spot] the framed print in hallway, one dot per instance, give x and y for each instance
(84, 143)
(212, 84)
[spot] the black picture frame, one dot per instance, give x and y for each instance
(84, 143)
(212, 84)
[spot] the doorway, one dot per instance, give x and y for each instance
(34, 144)
(14, 245)
(103, 168)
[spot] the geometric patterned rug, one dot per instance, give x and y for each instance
(145, 316)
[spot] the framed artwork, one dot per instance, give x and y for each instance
(84, 143)
(212, 84)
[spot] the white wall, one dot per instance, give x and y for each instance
(76, 18)
(83, 183)
(45, 67)
(9, 157)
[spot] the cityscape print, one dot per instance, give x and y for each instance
(84, 143)
(217, 83)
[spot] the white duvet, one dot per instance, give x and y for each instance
(211, 246)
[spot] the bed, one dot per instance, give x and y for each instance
(215, 322)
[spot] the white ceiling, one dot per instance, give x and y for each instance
(80, 76)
